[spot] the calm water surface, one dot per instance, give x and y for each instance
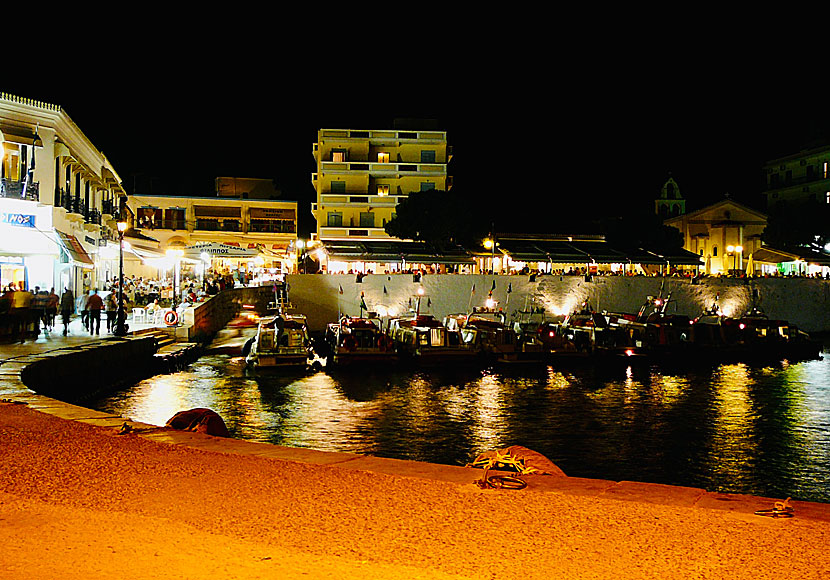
(761, 430)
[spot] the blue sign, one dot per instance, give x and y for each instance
(18, 219)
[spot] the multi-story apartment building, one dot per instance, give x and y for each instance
(798, 178)
(255, 236)
(59, 199)
(362, 174)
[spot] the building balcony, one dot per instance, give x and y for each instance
(796, 182)
(14, 190)
(381, 169)
(351, 232)
(351, 200)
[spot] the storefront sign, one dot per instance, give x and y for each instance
(221, 250)
(18, 219)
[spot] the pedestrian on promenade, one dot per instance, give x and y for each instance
(52, 302)
(112, 308)
(94, 305)
(38, 308)
(82, 306)
(20, 314)
(67, 308)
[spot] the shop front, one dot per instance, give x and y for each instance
(29, 251)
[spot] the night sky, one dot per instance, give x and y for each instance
(545, 143)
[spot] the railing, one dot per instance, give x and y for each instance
(10, 188)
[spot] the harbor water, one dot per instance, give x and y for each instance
(739, 428)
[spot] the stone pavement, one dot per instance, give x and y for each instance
(80, 500)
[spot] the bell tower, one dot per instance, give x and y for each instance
(670, 203)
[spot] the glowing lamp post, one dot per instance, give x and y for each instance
(490, 244)
(300, 256)
(734, 250)
(120, 329)
(176, 256)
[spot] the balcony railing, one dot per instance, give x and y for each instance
(10, 188)
(383, 168)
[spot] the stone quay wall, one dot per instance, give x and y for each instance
(321, 297)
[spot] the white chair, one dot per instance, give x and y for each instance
(139, 315)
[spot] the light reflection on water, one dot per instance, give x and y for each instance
(735, 428)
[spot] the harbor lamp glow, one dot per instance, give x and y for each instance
(176, 255)
(490, 244)
(120, 329)
(734, 250)
(300, 255)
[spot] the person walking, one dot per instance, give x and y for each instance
(112, 307)
(84, 308)
(67, 306)
(38, 308)
(20, 313)
(52, 302)
(94, 305)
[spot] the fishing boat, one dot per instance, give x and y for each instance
(752, 336)
(425, 340)
(357, 339)
(281, 341)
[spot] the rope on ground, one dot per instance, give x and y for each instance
(500, 482)
(780, 509)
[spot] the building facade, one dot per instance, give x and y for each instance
(59, 200)
(254, 236)
(798, 179)
(362, 174)
(724, 234)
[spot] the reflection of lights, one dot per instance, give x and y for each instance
(629, 352)
(487, 416)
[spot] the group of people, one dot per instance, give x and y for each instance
(23, 311)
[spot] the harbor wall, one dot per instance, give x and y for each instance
(322, 297)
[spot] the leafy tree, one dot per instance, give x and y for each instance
(792, 225)
(441, 218)
(643, 230)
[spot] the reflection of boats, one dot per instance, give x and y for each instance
(426, 340)
(280, 341)
(356, 339)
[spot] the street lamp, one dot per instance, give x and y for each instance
(490, 244)
(734, 250)
(120, 329)
(176, 256)
(300, 257)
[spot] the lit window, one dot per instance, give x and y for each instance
(384, 190)
(383, 157)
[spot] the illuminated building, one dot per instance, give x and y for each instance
(240, 233)
(724, 234)
(362, 174)
(58, 200)
(799, 178)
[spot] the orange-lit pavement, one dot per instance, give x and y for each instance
(78, 500)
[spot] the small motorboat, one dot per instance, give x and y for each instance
(281, 341)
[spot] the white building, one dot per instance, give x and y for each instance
(58, 200)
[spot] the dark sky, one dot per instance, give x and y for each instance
(542, 140)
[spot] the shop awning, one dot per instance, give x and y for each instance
(220, 250)
(217, 211)
(395, 251)
(77, 253)
(774, 256)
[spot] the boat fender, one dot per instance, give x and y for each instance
(246, 348)
(350, 343)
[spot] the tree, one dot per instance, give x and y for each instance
(793, 225)
(441, 218)
(643, 230)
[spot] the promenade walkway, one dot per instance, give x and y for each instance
(78, 500)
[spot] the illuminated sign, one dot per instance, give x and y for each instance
(18, 219)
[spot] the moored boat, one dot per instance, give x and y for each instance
(425, 340)
(354, 339)
(281, 341)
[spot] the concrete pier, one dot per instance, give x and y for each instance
(80, 500)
